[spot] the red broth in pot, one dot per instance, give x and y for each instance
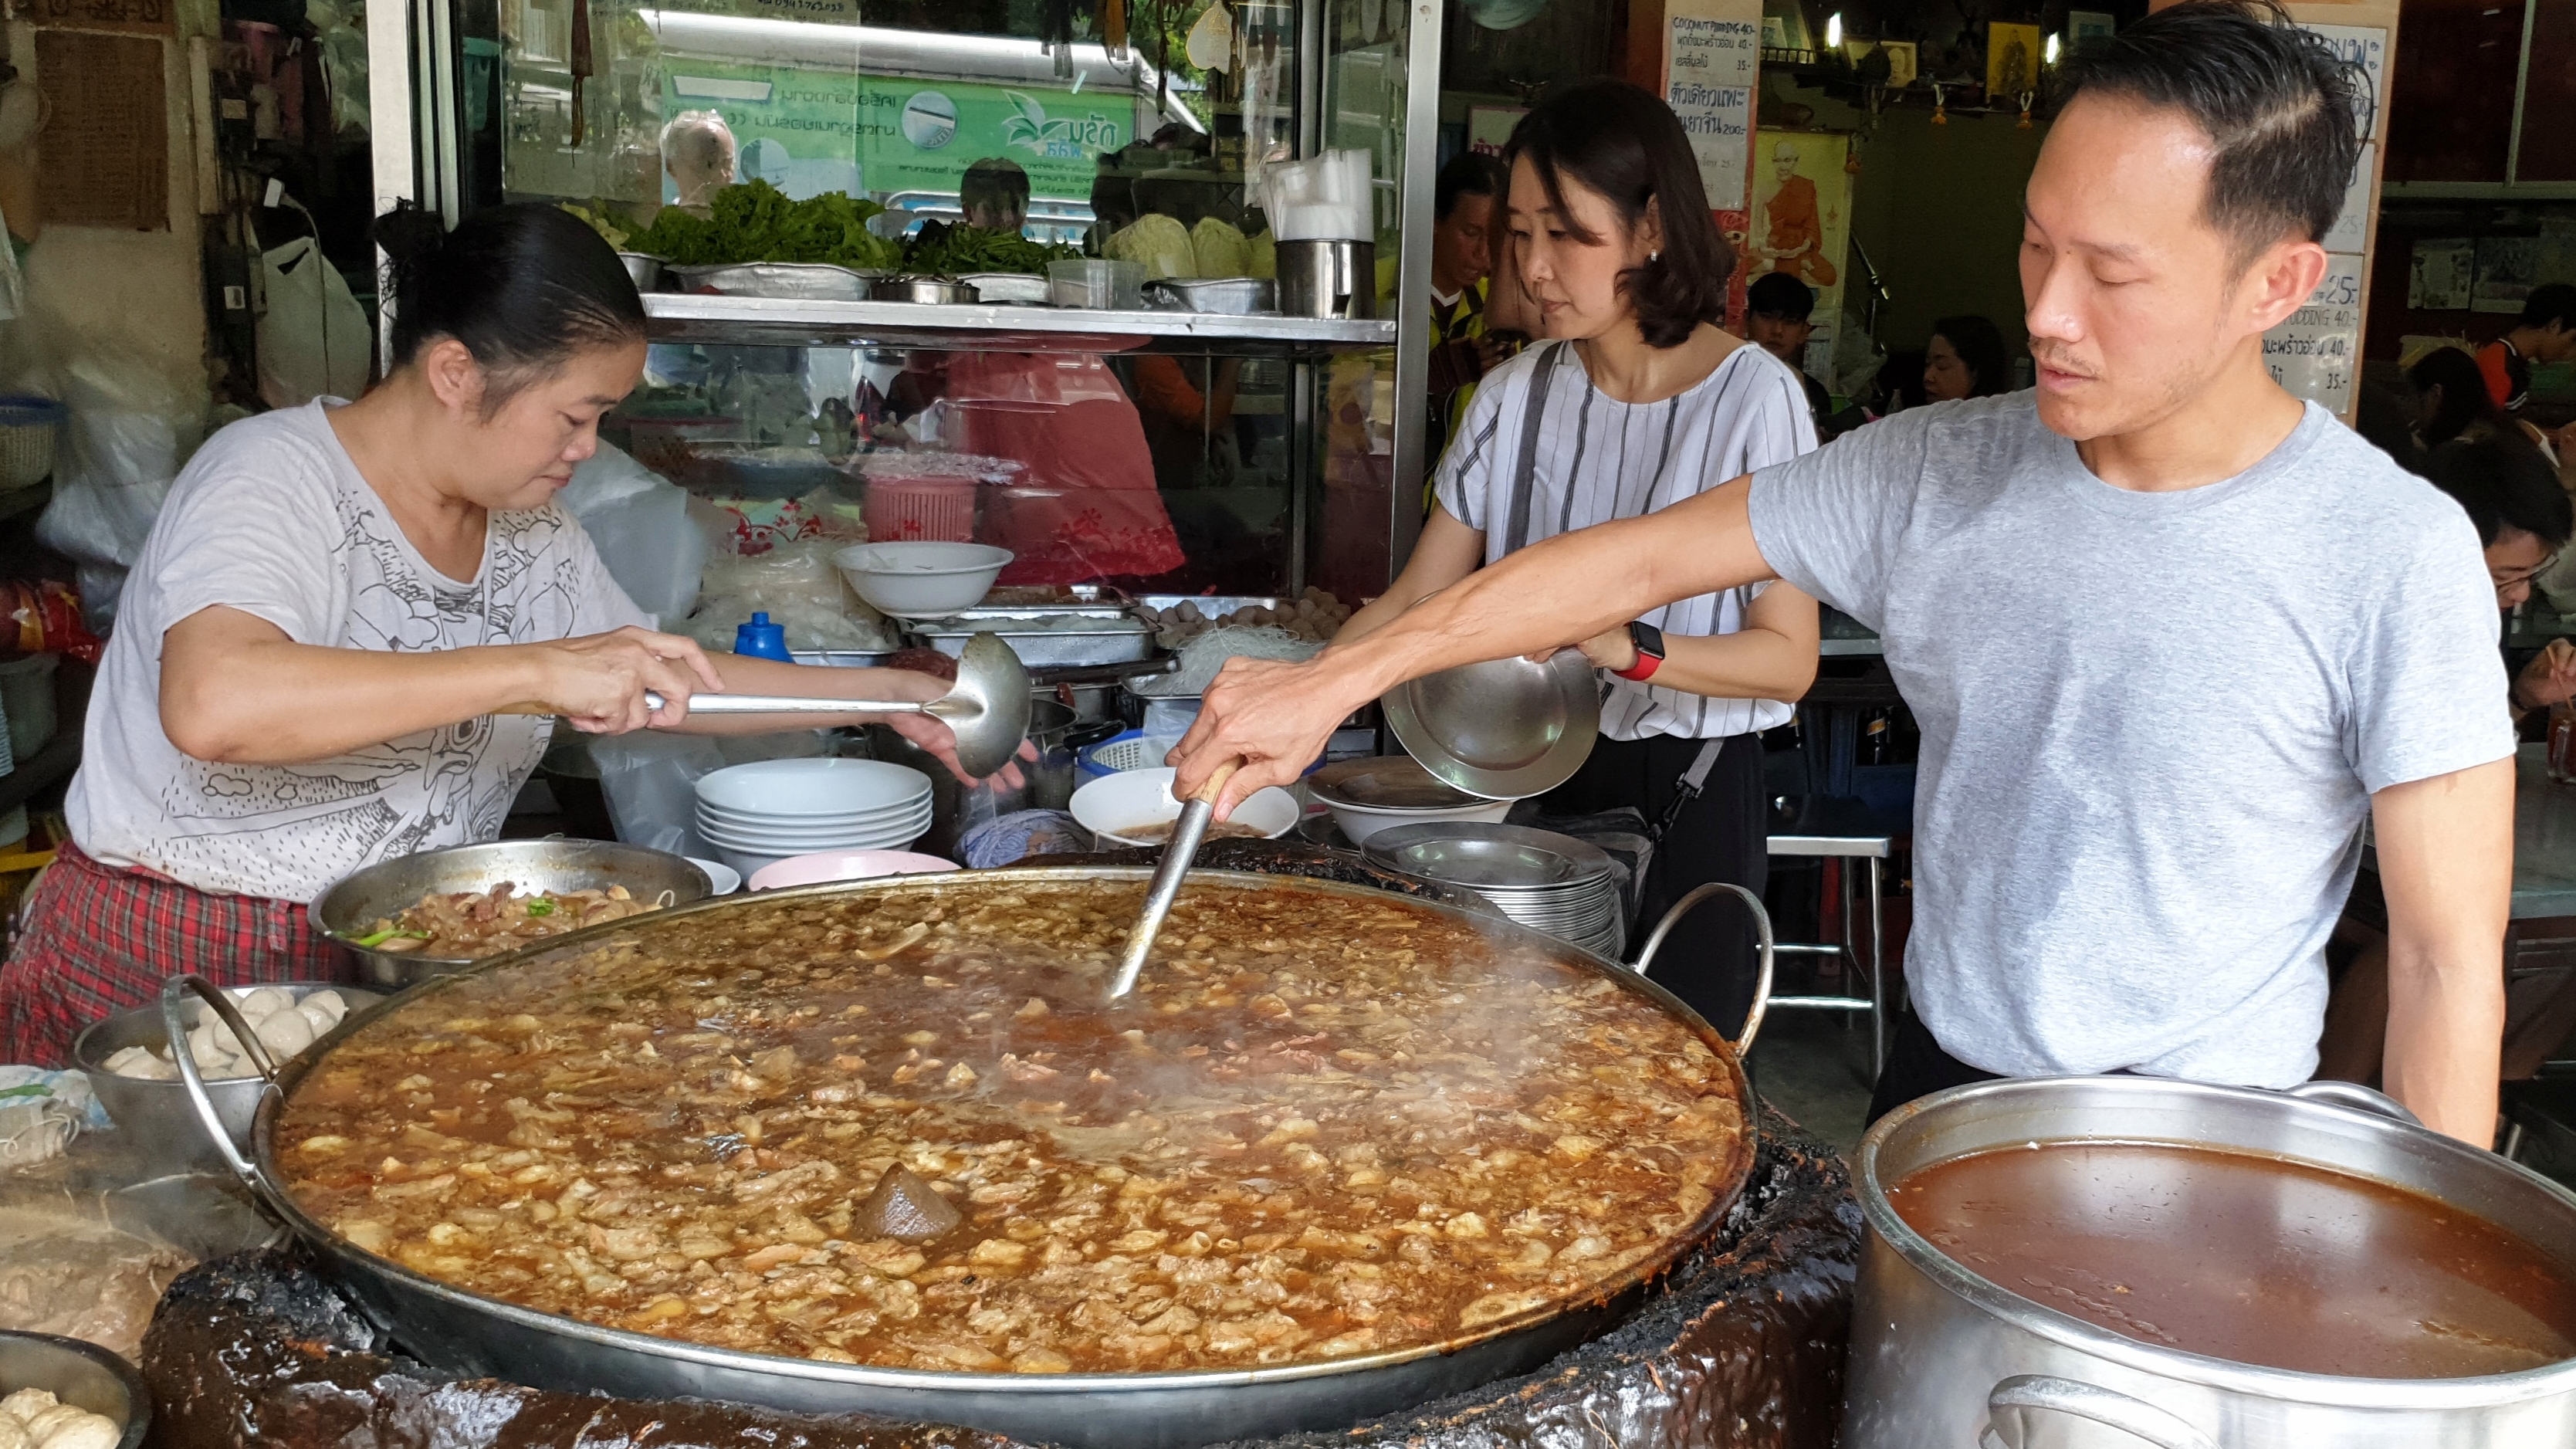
(2249, 1258)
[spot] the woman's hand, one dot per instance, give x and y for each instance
(598, 681)
(934, 736)
(2548, 679)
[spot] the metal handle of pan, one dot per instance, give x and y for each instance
(2355, 1097)
(1762, 930)
(174, 1021)
(2012, 1400)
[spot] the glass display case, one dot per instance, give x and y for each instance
(1152, 447)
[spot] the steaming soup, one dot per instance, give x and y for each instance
(900, 1128)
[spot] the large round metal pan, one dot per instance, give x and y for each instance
(467, 1333)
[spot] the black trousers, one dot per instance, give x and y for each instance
(1917, 1067)
(1722, 835)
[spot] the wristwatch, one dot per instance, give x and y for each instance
(1650, 651)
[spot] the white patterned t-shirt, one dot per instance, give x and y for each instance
(271, 517)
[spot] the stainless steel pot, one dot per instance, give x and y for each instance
(372, 893)
(468, 1334)
(82, 1375)
(155, 1114)
(1943, 1359)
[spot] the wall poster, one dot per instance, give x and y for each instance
(1712, 69)
(2317, 353)
(1801, 226)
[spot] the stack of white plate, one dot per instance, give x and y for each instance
(1544, 880)
(756, 814)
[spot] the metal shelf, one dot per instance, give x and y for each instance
(703, 317)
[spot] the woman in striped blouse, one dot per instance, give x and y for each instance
(1636, 400)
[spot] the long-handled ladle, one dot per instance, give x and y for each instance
(1186, 835)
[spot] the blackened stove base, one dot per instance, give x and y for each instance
(1743, 1347)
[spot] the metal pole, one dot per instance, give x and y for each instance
(1413, 279)
(1877, 980)
(389, 138)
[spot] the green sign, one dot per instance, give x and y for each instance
(808, 130)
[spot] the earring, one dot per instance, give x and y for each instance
(1653, 257)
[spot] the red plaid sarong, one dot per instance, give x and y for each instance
(99, 940)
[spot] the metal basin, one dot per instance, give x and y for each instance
(1943, 1359)
(82, 1375)
(156, 1114)
(469, 1334)
(370, 894)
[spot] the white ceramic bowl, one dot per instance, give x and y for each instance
(739, 821)
(1359, 822)
(1136, 799)
(921, 580)
(727, 880)
(870, 836)
(830, 865)
(792, 792)
(752, 863)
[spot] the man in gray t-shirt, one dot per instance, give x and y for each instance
(2170, 631)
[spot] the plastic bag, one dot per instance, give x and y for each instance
(797, 585)
(639, 521)
(313, 339)
(130, 430)
(46, 617)
(650, 780)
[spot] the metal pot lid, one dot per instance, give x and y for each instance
(1493, 859)
(1505, 729)
(1386, 782)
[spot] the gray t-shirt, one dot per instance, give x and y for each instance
(2151, 721)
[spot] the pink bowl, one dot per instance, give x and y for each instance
(828, 865)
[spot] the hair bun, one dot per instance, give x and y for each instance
(409, 235)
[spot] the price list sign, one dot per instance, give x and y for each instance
(2316, 354)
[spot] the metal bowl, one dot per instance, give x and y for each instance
(922, 289)
(1232, 296)
(646, 272)
(154, 1114)
(1505, 729)
(82, 1375)
(388, 888)
(1022, 288)
(795, 281)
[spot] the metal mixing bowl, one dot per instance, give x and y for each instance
(371, 894)
(156, 1115)
(1505, 729)
(82, 1375)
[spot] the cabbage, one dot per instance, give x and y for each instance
(1261, 256)
(1219, 249)
(1158, 241)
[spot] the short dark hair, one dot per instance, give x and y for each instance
(1620, 141)
(996, 179)
(1980, 344)
(2550, 302)
(2465, 399)
(2275, 101)
(1777, 294)
(523, 286)
(1469, 173)
(2504, 482)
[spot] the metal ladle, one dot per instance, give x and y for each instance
(1177, 852)
(987, 709)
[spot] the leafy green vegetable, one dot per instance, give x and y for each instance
(541, 906)
(378, 938)
(600, 222)
(958, 250)
(756, 222)
(1160, 242)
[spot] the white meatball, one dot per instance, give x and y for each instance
(89, 1431)
(322, 1020)
(45, 1421)
(26, 1404)
(285, 1034)
(265, 1002)
(328, 1002)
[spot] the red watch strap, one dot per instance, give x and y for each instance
(1641, 671)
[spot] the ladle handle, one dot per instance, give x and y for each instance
(174, 1021)
(1184, 843)
(1762, 930)
(756, 704)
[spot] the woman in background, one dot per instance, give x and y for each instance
(1965, 358)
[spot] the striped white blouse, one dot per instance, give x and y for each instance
(1543, 452)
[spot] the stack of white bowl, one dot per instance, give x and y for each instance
(756, 814)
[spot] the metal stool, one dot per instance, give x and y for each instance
(1829, 834)
(2538, 1111)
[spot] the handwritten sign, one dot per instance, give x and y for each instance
(2351, 231)
(1712, 62)
(2316, 353)
(2366, 47)
(139, 17)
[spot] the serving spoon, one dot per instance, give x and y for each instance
(1177, 852)
(987, 709)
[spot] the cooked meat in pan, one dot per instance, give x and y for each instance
(901, 1127)
(467, 925)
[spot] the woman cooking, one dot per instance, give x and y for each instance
(338, 603)
(1637, 399)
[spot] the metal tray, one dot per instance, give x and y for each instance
(1119, 639)
(794, 281)
(843, 658)
(1022, 288)
(1230, 296)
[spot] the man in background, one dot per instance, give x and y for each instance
(2546, 332)
(1466, 222)
(698, 150)
(995, 195)
(1777, 307)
